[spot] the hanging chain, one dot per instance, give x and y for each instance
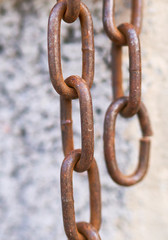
(127, 34)
(76, 87)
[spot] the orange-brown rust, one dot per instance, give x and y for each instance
(109, 144)
(68, 166)
(109, 20)
(54, 52)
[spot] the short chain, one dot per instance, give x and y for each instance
(125, 34)
(80, 160)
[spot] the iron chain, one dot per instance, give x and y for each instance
(73, 87)
(125, 34)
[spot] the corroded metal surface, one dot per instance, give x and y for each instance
(88, 231)
(72, 11)
(109, 20)
(54, 53)
(67, 195)
(126, 34)
(87, 129)
(134, 69)
(82, 159)
(109, 143)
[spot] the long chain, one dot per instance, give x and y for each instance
(74, 87)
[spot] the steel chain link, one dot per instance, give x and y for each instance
(74, 86)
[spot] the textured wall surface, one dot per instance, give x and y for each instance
(30, 140)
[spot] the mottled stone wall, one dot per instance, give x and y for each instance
(30, 140)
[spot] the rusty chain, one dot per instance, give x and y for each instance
(127, 34)
(73, 87)
(81, 160)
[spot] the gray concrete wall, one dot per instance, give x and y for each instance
(30, 140)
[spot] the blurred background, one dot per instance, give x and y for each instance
(30, 138)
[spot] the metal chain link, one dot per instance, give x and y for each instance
(67, 195)
(54, 53)
(87, 129)
(134, 69)
(73, 87)
(109, 143)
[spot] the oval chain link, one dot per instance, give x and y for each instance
(87, 128)
(54, 53)
(134, 69)
(109, 143)
(67, 195)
